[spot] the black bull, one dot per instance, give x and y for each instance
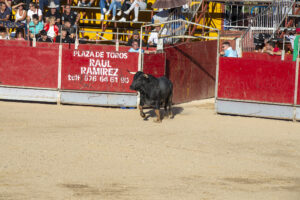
(154, 92)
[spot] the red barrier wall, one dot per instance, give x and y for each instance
(26, 66)
(155, 64)
(256, 80)
(192, 68)
(98, 69)
(265, 56)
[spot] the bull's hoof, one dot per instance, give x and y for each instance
(167, 116)
(157, 121)
(142, 115)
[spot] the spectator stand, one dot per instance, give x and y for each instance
(267, 22)
(90, 25)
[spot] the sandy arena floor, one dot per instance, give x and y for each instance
(51, 152)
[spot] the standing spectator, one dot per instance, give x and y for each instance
(136, 5)
(115, 4)
(44, 3)
(33, 10)
(44, 37)
(153, 38)
(35, 26)
(51, 28)
(227, 50)
(135, 37)
(53, 12)
(64, 37)
(20, 16)
(20, 34)
(4, 14)
(71, 16)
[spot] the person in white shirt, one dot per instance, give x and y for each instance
(33, 10)
(20, 15)
(153, 38)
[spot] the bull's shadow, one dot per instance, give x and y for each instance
(151, 112)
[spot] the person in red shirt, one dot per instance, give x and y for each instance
(51, 28)
(271, 49)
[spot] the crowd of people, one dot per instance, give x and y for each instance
(30, 21)
(49, 21)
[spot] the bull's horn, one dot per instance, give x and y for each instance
(131, 72)
(146, 76)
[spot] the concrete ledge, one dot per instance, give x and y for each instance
(99, 99)
(28, 94)
(255, 109)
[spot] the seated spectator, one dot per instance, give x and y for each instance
(33, 10)
(35, 26)
(71, 16)
(53, 12)
(85, 3)
(43, 37)
(103, 4)
(70, 30)
(227, 50)
(125, 6)
(161, 16)
(4, 15)
(64, 37)
(115, 4)
(259, 48)
(51, 28)
(20, 16)
(136, 5)
(135, 47)
(271, 49)
(153, 38)
(4, 34)
(135, 36)
(20, 34)
(44, 3)
(8, 4)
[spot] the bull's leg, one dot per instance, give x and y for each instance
(141, 111)
(166, 108)
(157, 111)
(170, 107)
(158, 119)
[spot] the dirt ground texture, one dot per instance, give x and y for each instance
(85, 153)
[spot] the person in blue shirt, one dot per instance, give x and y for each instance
(135, 47)
(35, 26)
(227, 50)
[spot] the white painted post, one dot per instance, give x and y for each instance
(117, 40)
(238, 47)
(217, 69)
(59, 73)
(296, 87)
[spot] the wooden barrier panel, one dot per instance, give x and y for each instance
(249, 79)
(155, 64)
(25, 66)
(192, 68)
(265, 56)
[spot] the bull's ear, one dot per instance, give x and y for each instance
(146, 76)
